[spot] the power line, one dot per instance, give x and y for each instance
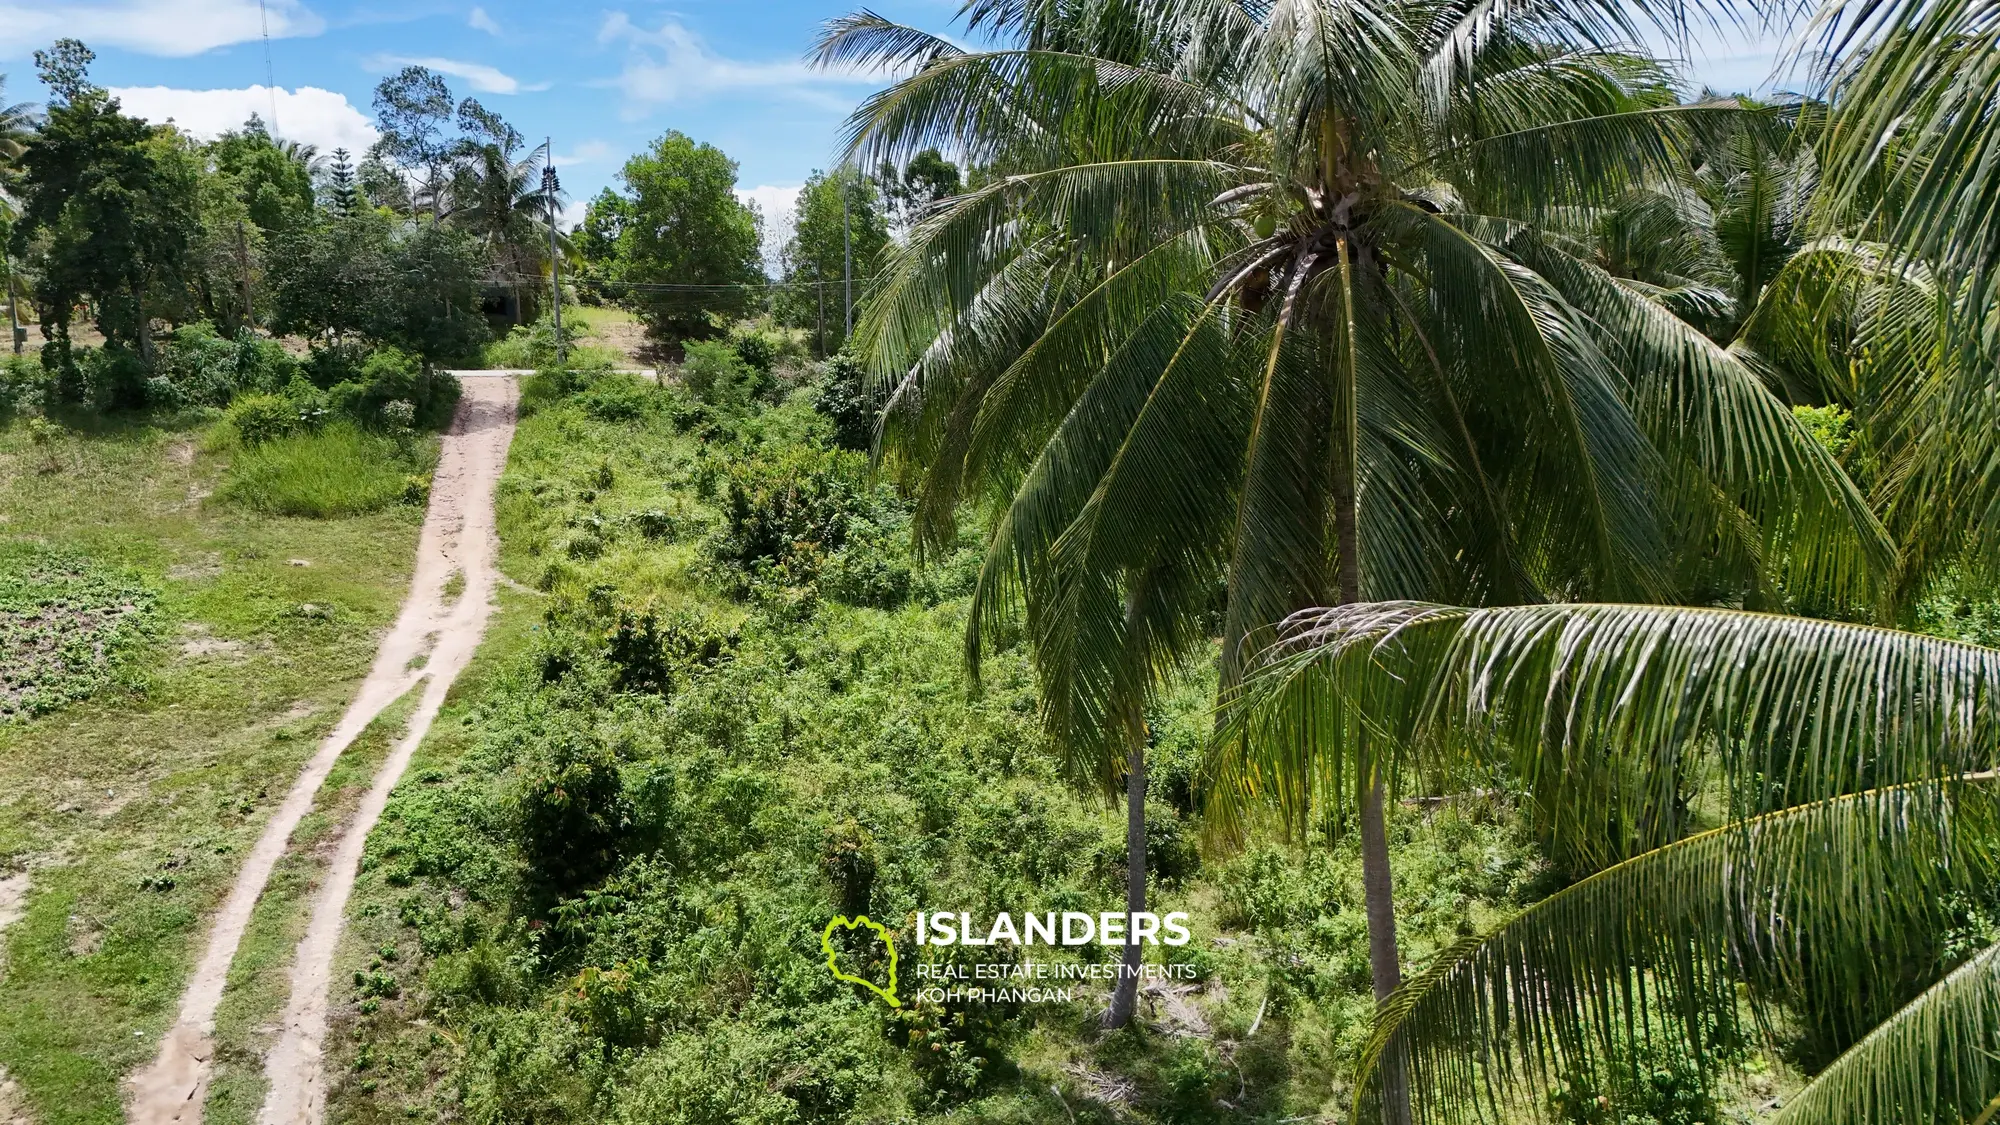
(677, 287)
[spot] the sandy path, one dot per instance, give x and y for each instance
(458, 536)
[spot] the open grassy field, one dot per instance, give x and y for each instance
(127, 812)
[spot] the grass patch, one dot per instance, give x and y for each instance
(132, 809)
(338, 471)
(67, 626)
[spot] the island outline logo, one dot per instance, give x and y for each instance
(841, 921)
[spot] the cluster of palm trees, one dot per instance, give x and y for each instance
(1293, 324)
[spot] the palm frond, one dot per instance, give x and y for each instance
(1604, 711)
(1815, 900)
(1938, 1059)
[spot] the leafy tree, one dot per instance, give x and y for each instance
(414, 286)
(415, 111)
(1296, 315)
(1856, 765)
(433, 307)
(688, 256)
(65, 69)
(109, 211)
(383, 186)
(275, 186)
(815, 257)
(330, 277)
(604, 219)
(928, 178)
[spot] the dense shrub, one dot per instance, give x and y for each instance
(24, 382)
(197, 367)
(716, 374)
(841, 393)
(533, 346)
(258, 418)
(114, 378)
(649, 653)
(570, 810)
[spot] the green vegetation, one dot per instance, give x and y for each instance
(130, 809)
(738, 710)
(67, 627)
(1517, 541)
(677, 247)
(336, 471)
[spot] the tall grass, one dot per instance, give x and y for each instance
(341, 470)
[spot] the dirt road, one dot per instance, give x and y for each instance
(433, 639)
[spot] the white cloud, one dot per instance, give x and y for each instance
(485, 79)
(480, 21)
(776, 204)
(174, 28)
(571, 215)
(309, 114)
(673, 65)
(587, 152)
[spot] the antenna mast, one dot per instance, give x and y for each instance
(270, 81)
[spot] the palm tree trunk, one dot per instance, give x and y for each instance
(1125, 997)
(1377, 880)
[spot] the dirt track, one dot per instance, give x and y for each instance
(433, 639)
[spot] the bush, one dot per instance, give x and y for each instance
(330, 365)
(23, 383)
(113, 378)
(618, 397)
(716, 374)
(652, 655)
(570, 811)
(790, 511)
(843, 396)
(258, 418)
(340, 470)
(197, 367)
(532, 345)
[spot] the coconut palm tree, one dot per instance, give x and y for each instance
(503, 202)
(1855, 767)
(1896, 307)
(17, 125)
(1265, 306)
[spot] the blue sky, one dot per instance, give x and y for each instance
(602, 79)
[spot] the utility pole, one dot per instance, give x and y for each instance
(243, 263)
(15, 331)
(847, 256)
(550, 186)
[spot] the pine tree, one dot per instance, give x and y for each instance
(342, 196)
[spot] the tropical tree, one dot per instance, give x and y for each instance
(918, 185)
(839, 226)
(275, 183)
(1285, 302)
(687, 253)
(109, 209)
(1854, 768)
(17, 125)
(1892, 311)
(501, 201)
